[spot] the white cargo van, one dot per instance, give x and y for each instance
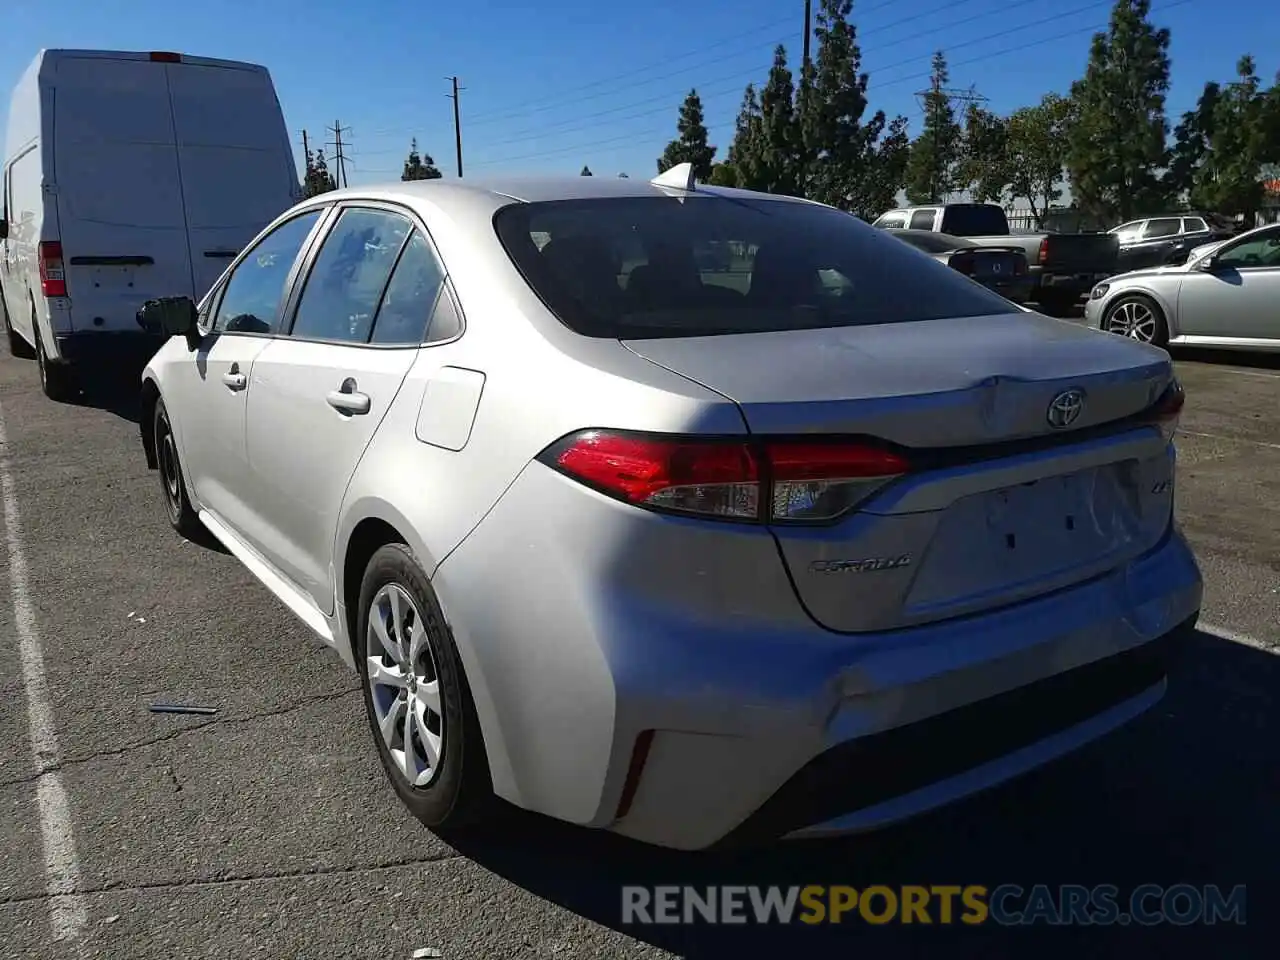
(129, 176)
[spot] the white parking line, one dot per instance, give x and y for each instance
(1218, 436)
(1231, 635)
(68, 913)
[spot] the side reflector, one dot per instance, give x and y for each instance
(639, 756)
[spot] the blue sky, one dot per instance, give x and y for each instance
(554, 85)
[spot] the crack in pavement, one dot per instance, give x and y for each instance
(175, 734)
(21, 900)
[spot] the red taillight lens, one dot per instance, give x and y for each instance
(1043, 256)
(770, 481)
(53, 280)
(1167, 411)
(162, 56)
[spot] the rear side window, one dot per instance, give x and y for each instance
(923, 219)
(1165, 227)
(350, 273)
(1194, 225)
(640, 267)
(411, 297)
(974, 220)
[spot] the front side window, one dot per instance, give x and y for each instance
(640, 267)
(350, 273)
(1262, 250)
(255, 289)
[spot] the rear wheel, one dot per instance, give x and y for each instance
(177, 504)
(57, 380)
(1138, 318)
(416, 695)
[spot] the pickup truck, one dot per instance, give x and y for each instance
(1064, 266)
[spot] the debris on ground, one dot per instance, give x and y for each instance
(180, 708)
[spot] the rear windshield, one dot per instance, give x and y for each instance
(643, 267)
(976, 220)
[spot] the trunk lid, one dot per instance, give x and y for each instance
(969, 529)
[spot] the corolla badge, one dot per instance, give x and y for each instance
(1065, 408)
(865, 565)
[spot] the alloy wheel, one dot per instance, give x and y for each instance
(1133, 319)
(404, 685)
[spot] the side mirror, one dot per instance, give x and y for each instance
(170, 316)
(4, 229)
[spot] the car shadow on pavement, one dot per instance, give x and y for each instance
(1185, 795)
(1229, 358)
(117, 391)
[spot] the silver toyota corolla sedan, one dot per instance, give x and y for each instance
(689, 513)
(1226, 295)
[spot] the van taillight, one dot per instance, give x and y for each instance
(53, 280)
(160, 56)
(768, 480)
(1043, 257)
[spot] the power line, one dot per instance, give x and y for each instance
(932, 101)
(725, 84)
(990, 55)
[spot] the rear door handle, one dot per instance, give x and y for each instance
(235, 381)
(348, 400)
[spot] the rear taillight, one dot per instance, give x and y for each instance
(768, 481)
(1167, 411)
(53, 279)
(1043, 256)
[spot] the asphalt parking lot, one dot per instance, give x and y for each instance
(266, 830)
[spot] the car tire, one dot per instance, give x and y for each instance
(57, 380)
(1138, 317)
(454, 790)
(173, 485)
(17, 346)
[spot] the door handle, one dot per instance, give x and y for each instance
(235, 381)
(348, 400)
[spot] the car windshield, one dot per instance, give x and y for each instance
(642, 267)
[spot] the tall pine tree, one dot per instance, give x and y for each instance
(1117, 146)
(317, 179)
(779, 133)
(691, 144)
(931, 172)
(419, 166)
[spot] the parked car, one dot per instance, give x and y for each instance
(1001, 269)
(153, 171)
(688, 561)
(1226, 295)
(1159, 241)
(1064, 266)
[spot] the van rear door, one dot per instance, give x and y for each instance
(119, 191)
(234, 156)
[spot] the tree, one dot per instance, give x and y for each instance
(419, 166)
(983, 169)
(1117, 146)
(1193, 137)
(623, 176)
(1229, 178)
(691, 145)
(745, 161)
(586, 171)
(847, 165)
(778, 157)
(723, 175)
(886, 171)
(931, 172)
(317, 179)
(1036, 151)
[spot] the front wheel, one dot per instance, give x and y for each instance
(1138, 318)
(416, 695)
(177, 505)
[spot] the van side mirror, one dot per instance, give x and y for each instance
(169, 316)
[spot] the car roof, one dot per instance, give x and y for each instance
(461, 196)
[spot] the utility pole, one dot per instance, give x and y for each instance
(457, 121)
(808, 31)
(306, 150)
(340, 158)
(933, 101)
